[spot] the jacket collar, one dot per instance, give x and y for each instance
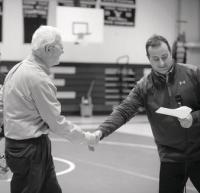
(161, 80)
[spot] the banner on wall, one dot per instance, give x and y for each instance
(35, 14)
(119, 16)
(116, 12)
(130, 2)
(83, 3)
(1, 18)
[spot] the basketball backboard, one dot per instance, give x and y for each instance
(80, 24)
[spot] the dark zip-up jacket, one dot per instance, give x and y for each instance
(175, 143)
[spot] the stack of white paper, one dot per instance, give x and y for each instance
(181, 112)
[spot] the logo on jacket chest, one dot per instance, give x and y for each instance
(182, 82)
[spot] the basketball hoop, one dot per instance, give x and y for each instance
(81, 38)
(80, 29)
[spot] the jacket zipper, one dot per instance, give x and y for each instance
(168, 88)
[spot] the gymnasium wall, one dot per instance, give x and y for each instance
(112, 83)
(152, 16)
(80, 65)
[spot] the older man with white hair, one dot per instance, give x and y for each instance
(30, 111)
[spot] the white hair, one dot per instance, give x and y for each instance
(44, 35)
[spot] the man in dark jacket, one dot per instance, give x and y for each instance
(168, 85)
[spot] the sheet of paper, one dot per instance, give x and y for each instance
(181, 112)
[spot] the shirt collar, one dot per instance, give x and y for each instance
(38, 62)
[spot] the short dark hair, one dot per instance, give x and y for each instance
(155, 41)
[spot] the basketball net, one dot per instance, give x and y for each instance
(79, 39)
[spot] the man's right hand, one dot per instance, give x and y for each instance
(93, 139)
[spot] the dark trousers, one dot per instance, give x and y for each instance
(173, 176)
(32, 166)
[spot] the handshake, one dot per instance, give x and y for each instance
(92, 139)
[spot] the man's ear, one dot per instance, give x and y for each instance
(48, 48)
